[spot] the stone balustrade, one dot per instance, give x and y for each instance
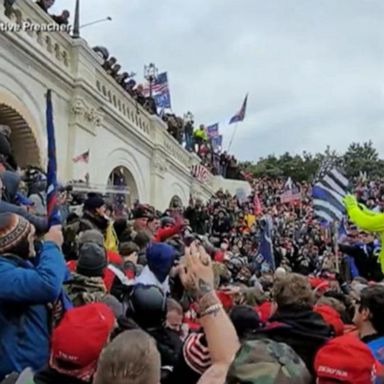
(122, 103)
(19, 25)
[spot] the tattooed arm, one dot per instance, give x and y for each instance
(222, 339)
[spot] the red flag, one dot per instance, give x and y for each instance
(257, 205)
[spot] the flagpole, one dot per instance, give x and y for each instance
(233, 136)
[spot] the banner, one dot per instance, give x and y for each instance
(200, 172)
(213, 130)
(53, 212)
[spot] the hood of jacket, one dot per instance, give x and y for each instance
(160, 258)
(303, 322)
(97, 221)
(50, 376)
(11, 182)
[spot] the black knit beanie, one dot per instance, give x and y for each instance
(93, 202)
(92, 260)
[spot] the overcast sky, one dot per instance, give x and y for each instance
(314, 69)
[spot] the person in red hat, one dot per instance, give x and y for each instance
(76, 345)
(347, 360)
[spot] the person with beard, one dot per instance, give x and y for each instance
(28, 289)
(94, 217)
(294, 322)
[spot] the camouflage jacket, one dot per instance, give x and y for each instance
(83, 290)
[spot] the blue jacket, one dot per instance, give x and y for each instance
(25, 291)
(377, 348)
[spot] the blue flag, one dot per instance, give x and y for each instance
(241, 114)
(53, 212)
(266, 247)
(161, 92)
(213, 130)
(217, 143)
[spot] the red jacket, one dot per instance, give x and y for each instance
(165, 233)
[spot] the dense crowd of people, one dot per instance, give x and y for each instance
(189, 295)
(237, 289)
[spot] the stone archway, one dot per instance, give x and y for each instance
(24, 145)
(121, 177)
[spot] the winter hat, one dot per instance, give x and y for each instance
(196, 353)
(91, 236)
(167, 220)
(90, 326)
(266, 361)
(160, 258)
(245, 320)
(114, 305)
(143, 211)
(93, 202)
(13, 230)
(92, 260)
(346, 359)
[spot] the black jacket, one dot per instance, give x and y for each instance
(50, 376)
(302, 329)
(366, 263)
(197, 218)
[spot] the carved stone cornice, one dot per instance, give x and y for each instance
(159, 164)
(86, 116)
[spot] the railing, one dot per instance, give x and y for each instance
(120, 101)
(173, 147)
(22, 24)
(101, 188)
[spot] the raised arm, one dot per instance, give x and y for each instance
(366, 221)
(223, 343)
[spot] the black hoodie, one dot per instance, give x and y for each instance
(302, 329)
(50, 376)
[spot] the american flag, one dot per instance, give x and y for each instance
(160, 91)
(53, 211)
(291, 194)
(328, 193)
(84, 158)
(200, 173)
(241, 114)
